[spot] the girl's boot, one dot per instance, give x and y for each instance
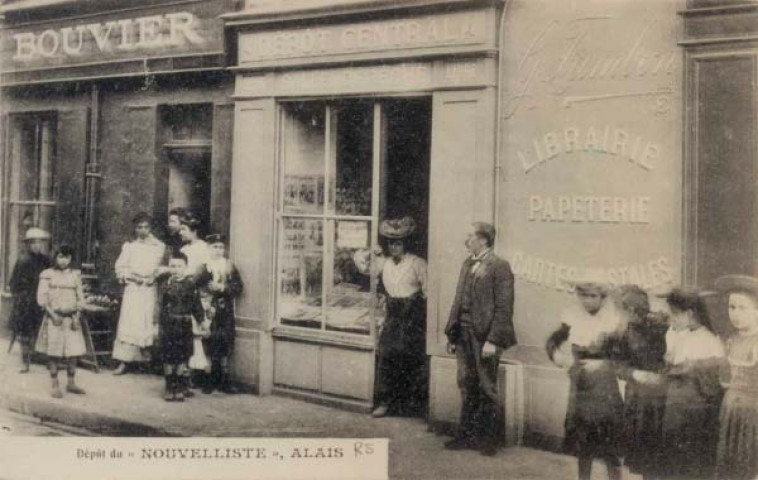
(72, 387)
(55, 391)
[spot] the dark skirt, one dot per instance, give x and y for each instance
(643, 420)
(690, 431)
(402, 373)
(595, 413)
(176, 339)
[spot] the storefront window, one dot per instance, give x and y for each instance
(30, 182)
(327, 228)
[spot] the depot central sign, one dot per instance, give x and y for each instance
(150, 32)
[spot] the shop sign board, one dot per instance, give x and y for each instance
(378, 36)
(183, 29)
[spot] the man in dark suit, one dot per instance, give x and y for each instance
(479, 329)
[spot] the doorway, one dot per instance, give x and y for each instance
(189, 182)
(345, 166)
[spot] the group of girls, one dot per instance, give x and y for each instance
(660, 391)
(196, 288)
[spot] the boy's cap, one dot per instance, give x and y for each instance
(216, 238)
(35, 233)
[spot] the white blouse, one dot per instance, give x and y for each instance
(198, 254)
(405, 278)
(588, 330)
(698, 344)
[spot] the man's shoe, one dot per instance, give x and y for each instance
(488, 450)
(379, 411)
(458, 444)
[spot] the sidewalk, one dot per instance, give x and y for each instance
(132, 405)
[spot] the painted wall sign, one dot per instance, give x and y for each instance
(556, 275)
(459, 28)
(615, 141)
(592, 174)
(184, 29)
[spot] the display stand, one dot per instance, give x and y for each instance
(98, 329)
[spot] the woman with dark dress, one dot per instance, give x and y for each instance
(401, 375)
(584, 343)
(644, 347)
(26, 316)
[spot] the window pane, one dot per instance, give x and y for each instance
(303, 152)
(352, 177)
(349, 297)
(301, 252)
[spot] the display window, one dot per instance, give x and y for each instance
(327, 216)
(29, 181)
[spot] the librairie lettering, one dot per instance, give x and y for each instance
(149, 32)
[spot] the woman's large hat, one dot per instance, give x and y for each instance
(397, 229)
(35, 233)
(738, 283)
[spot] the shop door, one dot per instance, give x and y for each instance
(344, 167)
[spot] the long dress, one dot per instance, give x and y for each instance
(401, 381)
(26, 316)
(61, 291)
(644, 404)
(595, 411)
(137, 265)
(221, 342)
(693, 396)
(737, 457)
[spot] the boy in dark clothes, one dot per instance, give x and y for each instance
(180, 307)
(27, 315)
(223, 285)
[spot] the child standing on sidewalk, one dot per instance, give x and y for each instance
(61, 295)
(27, 315)
(180, 308)
(224, 286)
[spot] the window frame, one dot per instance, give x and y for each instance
(13, 198)
(328, 216)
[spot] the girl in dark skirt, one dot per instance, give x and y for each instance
(644, 347)
(737, 453)
(694, 356)
(224, 286)
(583, 344)
(180, 307)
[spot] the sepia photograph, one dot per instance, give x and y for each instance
(379, 239)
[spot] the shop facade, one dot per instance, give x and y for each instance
(347, 115)
(110, 109)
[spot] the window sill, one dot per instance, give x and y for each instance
(324, 337)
